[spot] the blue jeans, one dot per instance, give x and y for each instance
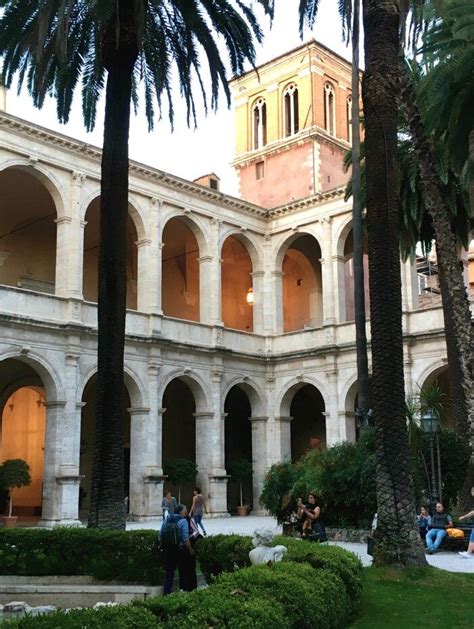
(170, 561)
(198, 520)
(434, 537)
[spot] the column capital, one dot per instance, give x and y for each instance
(277, 273)
(161, 411)
(257, 273)
(224, 415)
(256, 420)
(143, 242)
(63, 219)
(206, 258)
(285, 419)
(203, 415)
(138, 410)
(53, 404)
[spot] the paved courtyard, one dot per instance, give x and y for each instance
(445, 560)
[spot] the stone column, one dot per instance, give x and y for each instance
(143, 268)
(206, 281)
(332, 412)
(76, 238)
(277, 295)
(258, 294)
(283, 426)
(63, 261)
(327, 273)
(268, 293)
(155, 262)
(409, 285)
(259, 460)
(340, 291)
(213, 286)
(347, 427)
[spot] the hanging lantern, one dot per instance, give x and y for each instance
(250, 296)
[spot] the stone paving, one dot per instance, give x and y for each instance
(445, 560)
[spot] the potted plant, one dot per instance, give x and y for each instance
(179, 472)
(13, 473)
(239, 470)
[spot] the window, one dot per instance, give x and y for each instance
(349, 118)
(213, 183)
(329, 109)
(290, 110)
(259, 113)
(260, 170)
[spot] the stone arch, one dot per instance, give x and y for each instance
(288, 390)
(134, 385)
(45, 176)
(430, 372)
(196, 385)
(48, 374)
(253, 392)
(193, 222)
(253, 247)
(439, 375)
(287, 239)
(340, 237)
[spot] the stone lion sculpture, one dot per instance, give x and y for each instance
(263, 552)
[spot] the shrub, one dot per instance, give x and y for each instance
(106, 555)
(223, 553)
(340, 562)
(309, 598)
(276, 494)
(216, 608)
(118, 617)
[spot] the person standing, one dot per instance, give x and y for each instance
(187, 561)
(197, 509)
(174, 540)
(168, 505)
(440, 521)
(469, 553)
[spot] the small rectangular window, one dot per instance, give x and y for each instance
(213, 184)
(260, 170)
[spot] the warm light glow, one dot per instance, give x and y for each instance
(250, 296)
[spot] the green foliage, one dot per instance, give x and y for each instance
(276, 494)
(216, 608)
(119, 617)
(223, 553)
(180, 471)
(14, 473)
(239, 469)
(105, 555)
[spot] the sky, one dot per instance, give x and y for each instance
(187, 152)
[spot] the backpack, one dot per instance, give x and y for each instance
(169, 536)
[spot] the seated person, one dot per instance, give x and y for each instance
(440, 521)
(423, 520)
(469, 553)
(309, 515)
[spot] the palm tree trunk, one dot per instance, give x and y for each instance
(471, 159)
(107, 488)
(456, 311)
(398, 540)
(357, 229)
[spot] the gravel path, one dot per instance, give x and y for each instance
(444, 560)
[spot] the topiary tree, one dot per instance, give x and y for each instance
(179, 472)
(276, 494)
(14, 473)
(239, 470)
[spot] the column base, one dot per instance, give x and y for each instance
(133, 517)
(259, 512)
(49, 524)
(217, 514)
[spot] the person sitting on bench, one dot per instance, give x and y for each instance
(440, 521)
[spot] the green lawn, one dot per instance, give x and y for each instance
(424, 597)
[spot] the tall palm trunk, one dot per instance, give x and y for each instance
(398, 541)
(107, 490)
(456, 311)
(357, 229)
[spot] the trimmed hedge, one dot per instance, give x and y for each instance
(131, 556)
(119, 617)
(223, 553)
(218, 607)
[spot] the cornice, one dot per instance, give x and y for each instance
(319, 197)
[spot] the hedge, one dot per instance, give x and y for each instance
(131, 556)
(118, 617)
(223, 553)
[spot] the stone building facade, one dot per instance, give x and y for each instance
(239, 333)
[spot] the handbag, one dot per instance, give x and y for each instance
(455, 533)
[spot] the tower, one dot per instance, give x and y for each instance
(292, 123)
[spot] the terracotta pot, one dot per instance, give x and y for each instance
(242, 511)
(9, 522)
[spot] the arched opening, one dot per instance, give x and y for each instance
(302, 285)
(27, 232)
(180, 269)
(238, 443)
(236, 285)
(87, 442)
(91, 256)
(259, 121)
(290, 109)
(349, 277)
(308, 426)
(22, 431)
(351, 405)
(179, 431)
(440, 378)
(329, 109)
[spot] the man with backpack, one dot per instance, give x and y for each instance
(174, 541)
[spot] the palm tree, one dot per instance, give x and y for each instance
(398, 541)
(54, 45)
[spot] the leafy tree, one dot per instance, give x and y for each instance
(14, 473)
(276, 494)
(55, 46)
(239, 470)
(180, 472)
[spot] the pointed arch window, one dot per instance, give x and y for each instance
(290, 110)
(259, 113)
(329, 109)
(349, 118)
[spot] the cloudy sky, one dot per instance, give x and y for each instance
(191, 153)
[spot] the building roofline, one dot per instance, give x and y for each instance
(307, 44)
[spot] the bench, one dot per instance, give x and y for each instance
(458, 543)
